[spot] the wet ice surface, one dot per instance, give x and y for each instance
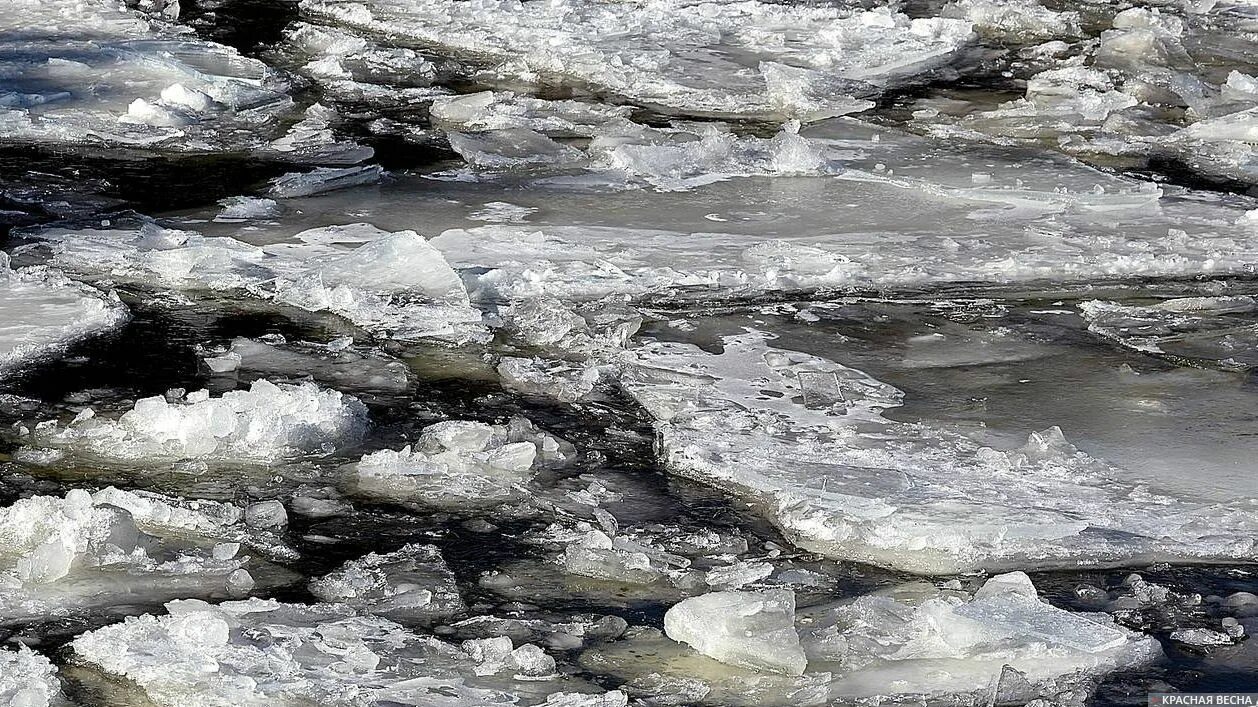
(608, 353)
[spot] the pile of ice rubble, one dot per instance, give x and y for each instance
(1169, 82)
(28, 679)
(60, 557)
(266, 423)
(747, 59)
(459, 465)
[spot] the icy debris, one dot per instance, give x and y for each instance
(312, 140)
(569, 633)
(622, 153)
(264, 652)
(694, 58)
(460, 464)
(355, 72)
(623, 559)
(849, 483)
(503, 110)
(1025, 21)
(412, 584)
(754, 630)
(346, 368)
(389, 283)
(561, 380)
(89, 551)
(264, 424)
(324, 179)
(913, 643)
(28, 679)
(552, 324)
(42, 313)
(1221, 331)
(91, 72)
(248, 208)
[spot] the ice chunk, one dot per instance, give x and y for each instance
(324, 179)
(264, 424)
(390, 283)
(42, 313)
(91, 551)
(265, 652)
(913, 643)
(28, 679)
(412, 584)
(248, 208)
(698, 59)
(850, 483)
(753, 630)
(460, 464)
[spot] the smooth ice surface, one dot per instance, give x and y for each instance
(28, 679)
(754, 630)
(746, 59)
(388, 283)
(260, 652)
(94, 550)
(42, 313)
(265, 423)
(459, 464)
(412, 584)
(842, 479)
(92, 72)
(906, 644)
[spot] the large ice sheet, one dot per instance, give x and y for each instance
(390, 284)
(267, 653)
(746, 59)
(806, 442)
(42, 312)
(91, 72)
(94, 550)
(909, 644)
(264, 424)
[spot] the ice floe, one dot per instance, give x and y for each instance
(459, 464)
(92, 72)
(745, 59)
(909, 643)
(805, 440)
(391, 284)
(263, 424)
(90, 551)
(264, 652)
(410, 585)
(42, 313)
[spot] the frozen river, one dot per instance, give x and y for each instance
(610, 353)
